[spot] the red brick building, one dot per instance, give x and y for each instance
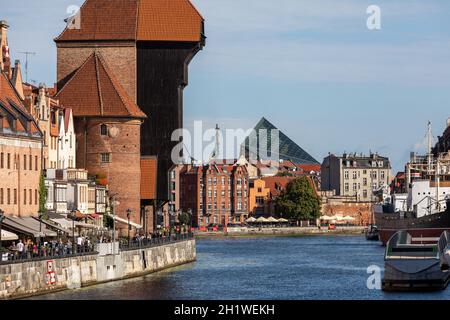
(107, 127)
(215, 193)
(20, 154)
(148, 44)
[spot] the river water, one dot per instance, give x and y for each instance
(288, 268)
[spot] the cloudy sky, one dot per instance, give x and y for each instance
(311, 67)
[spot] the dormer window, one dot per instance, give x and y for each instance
(104, 130)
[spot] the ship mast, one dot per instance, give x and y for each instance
(430, 146)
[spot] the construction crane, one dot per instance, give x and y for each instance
(27, 54)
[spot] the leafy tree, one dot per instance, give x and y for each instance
(299, 200)
(43, 194)
(184, 218)
(284, 174)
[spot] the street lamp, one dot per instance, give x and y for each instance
(190, 220)
(73, 215)
(2, 217)
(146, 211)
(129, 226)
(41, 215)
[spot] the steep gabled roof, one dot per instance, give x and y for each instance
(94, 91)
(14, 112)
(136, 20)
(288, 149)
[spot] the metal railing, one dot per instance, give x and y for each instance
(154, 242)
(45, 254)
(13, 257)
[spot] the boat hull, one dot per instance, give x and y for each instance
(431, 226)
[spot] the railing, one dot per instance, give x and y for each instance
(50, 254)
(13, 257)
(154, 242)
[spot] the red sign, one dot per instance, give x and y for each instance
(51, 275)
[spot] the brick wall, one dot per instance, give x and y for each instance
(19, 179)
(362, 212)
(119, 56)
(123, 171)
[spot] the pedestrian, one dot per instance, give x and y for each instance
(69, 246)
(35, 251)
(20, 249)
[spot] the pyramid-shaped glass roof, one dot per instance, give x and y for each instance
(288, 149)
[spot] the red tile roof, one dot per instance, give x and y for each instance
(276, 184)
(307, 168)
(94, 91)
(12, 110)
(149, 172)
(174, 20)
(141, 20)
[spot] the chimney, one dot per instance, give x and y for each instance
(5, 63)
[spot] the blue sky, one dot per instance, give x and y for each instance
(311, 67)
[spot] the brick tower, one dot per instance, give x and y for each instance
(148, 45)
(107, 127)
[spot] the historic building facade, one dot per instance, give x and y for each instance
(148, 44)
(107, 128)
(214, 193)
(20, 154)
(355, 175)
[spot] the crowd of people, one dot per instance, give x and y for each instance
(29, 249)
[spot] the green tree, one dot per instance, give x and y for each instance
(299, 200)
(184, 218)
(43, 194)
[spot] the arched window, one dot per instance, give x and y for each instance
(104, 130)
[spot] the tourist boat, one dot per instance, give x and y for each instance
(424, 210)
(416, 263)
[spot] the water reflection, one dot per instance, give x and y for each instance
(261, 268)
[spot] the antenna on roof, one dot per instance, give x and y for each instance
(27, 54)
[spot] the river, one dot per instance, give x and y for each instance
(286, 268)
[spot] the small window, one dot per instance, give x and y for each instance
(106, 157)
(104, 130)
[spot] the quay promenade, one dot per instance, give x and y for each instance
(283, 231)
(107, 262)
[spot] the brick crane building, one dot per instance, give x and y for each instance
(148, 44)
(107, 128)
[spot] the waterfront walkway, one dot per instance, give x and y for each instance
(61, 251)
(283, 231)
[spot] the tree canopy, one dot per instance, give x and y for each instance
(299, 201)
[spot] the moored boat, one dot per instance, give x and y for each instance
(416, 263)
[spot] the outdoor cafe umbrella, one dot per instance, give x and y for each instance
(272, 219)
(283, 220)
(250, 220)
(262, 220)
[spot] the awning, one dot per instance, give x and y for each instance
(64, 223)
(53, 226)
(125, 221)
(34, 224)
(9, 236)
(85, 225)
(10, 223)
(67, 224)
